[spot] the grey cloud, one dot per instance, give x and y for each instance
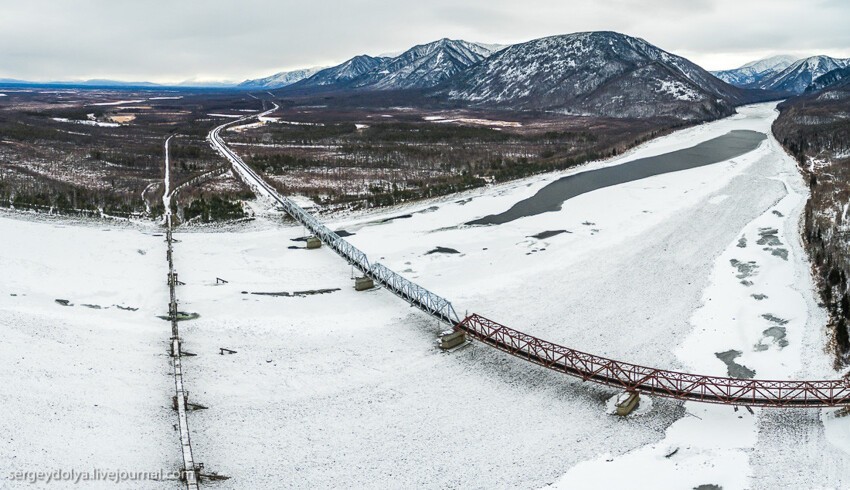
(173, 40)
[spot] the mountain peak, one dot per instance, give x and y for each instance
(422, 66)
(751, 74)
(781, 61)
(800, 74)
(280, 79)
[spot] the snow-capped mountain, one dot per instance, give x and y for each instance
(421, 66)
(281, 79)
(802, 73)
(832, 79)
(425, 65)
(600, 73)
(343, 73)
(753, 72)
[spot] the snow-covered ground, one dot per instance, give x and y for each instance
(87, 122)
(86, 386)
(120, 102)
(347, 388)
(337, 388)
(759, 314)
(645, 274)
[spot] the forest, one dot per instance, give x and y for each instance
(815, 130)
(354, 164)
(63, 153)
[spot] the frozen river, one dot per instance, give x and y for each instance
(346, 389)
(552, 196)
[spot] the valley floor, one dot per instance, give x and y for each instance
(347, 389)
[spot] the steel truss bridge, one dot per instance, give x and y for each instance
(657, 382)
(587, 367)
(411, 292)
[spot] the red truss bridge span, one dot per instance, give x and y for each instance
(656, 382)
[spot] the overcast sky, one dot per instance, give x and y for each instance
(175, 40)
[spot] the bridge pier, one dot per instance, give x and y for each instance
(313, 242)
(451, 339)
(175, 405)
(172, 279)
(193, 476)
(627, 402)
(363, 283)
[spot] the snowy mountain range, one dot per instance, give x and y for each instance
(782, 73)
(599, 73)
(799, 75)
(425, 65)
(343, 73)
(422, 66)
(752, 73)
(281, 79)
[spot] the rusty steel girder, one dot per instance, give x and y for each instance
(658, 382)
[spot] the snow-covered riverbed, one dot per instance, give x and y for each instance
(651, 272)
(346, 389)
(83, 386)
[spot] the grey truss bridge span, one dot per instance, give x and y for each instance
(411, 292)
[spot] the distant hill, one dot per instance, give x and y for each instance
(118, 84)
(82, 83)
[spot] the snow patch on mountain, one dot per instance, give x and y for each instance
(679, 90)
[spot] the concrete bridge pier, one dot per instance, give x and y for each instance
(363, 283)
(627, 402)
(452, 338)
